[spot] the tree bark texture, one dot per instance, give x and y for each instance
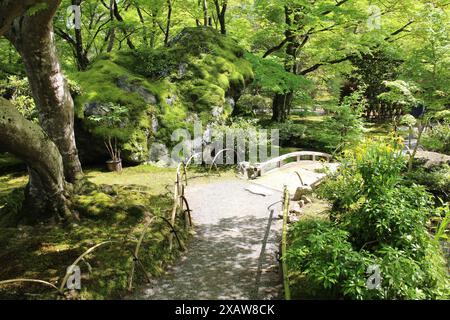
(33, 37)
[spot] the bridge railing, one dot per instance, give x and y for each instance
(278, 162)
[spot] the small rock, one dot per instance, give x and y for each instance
(306, 200)
(301, 203)
(182, 69)
(295, 208)
(302, 191)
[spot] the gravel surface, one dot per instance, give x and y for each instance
(234, 252)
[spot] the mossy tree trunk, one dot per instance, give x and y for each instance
(33, 37)
(47, 192)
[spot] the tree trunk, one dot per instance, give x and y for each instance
(221, 12)
(112, 30)
(168, 23)
(205, 12)
(46, 194)
(280, 106)
(82, 59)
(119, 18)
(33, 37)
(144, 27)
(282, 102)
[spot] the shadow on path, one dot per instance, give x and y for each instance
(233, 254)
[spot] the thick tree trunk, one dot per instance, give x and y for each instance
(33, 38)
(46, 195)
(280, 106)
(11, 9)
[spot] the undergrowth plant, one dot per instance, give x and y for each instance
(376, 220)
(108, 123)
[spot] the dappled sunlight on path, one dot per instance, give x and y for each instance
(225, 259)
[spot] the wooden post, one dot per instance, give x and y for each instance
(174, 213)
(287, 291)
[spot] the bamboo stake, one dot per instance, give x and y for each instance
(287, 291)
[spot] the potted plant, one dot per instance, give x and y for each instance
(108, 125)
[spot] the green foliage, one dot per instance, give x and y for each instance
(437, 138)
(250, 105)
(271, 76)
(400, 93)
(291, 133)
(408, 120)
(108, 125)
(427, 60)
(324, 254)
(245, 131)
(436, 180)
(345, 125)
(376, 220)
(153, 63)
(443, 229)
(18, 92)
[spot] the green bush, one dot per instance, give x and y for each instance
(435, 179)
(154, 63)
(245, 130)
(249, 105)
(291, 133)
(437, 139)
(376, 219)
(345, 125)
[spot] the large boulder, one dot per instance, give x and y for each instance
(199, 76)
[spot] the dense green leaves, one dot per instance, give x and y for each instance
(375, 220)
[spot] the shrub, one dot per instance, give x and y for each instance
(436, 180)
(154, 63)
(376, 219)
(345, 125)
(291, 133)
(250, 105)
(325, 256)
(437, 139)
(246, 130)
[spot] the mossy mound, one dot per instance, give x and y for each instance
(198, 76)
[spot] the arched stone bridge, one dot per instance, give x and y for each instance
(296, 169)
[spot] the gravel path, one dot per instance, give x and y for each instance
(234, 252)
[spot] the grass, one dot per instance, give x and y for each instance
(378, 130)
(112, 206)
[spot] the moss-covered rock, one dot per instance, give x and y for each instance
(199, 75)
